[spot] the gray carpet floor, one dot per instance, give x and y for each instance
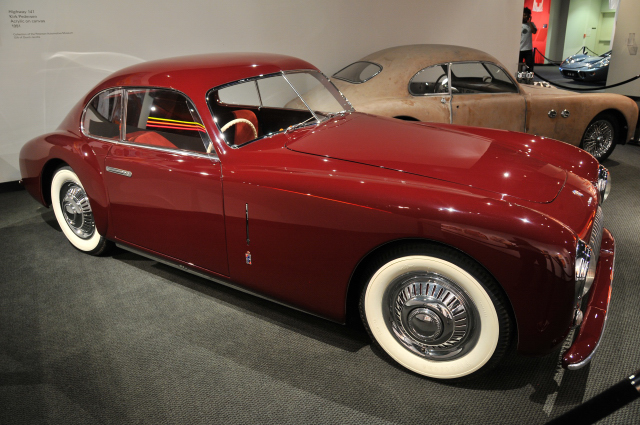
(122, 339)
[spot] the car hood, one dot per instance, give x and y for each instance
(582, 62)
(490, 164)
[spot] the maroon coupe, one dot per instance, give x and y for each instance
(451, 243)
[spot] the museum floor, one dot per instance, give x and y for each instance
(122, 339)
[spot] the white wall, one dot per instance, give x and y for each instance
(623, 64)
(583, 17)
(82, 41)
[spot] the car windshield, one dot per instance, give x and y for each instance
(251, 109)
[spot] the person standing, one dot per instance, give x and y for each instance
(526, 39)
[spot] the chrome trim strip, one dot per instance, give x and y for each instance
(220, 281)
(450, 91)
(246, 212)
(119, 171)
(211, 156)
(301, 98)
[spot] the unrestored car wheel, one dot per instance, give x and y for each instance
(600, 137)
(73, 212)
(436, 312)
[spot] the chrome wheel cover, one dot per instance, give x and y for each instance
(598, 138)
(76, 210)
(431, 316)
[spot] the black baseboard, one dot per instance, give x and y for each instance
(10, 186)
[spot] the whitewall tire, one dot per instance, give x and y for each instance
(73, 212)
(436, 312)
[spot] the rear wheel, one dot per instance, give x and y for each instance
(436, 312)
(73, 212)
(600, 137)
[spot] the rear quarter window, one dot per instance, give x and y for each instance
(358, 72)
(103, 115)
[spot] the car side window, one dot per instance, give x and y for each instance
(103, 115)
(480, 77)
(358, 72)
(431, 80)
(164, 118)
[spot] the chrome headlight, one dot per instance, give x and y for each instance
(604, 183)
(583, 261)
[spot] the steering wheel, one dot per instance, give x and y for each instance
(239, 120)
(439, 85)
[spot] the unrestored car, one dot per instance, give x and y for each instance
(584, 67)
(450, 243)
(459, 85)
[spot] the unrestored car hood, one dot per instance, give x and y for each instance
(430, 151)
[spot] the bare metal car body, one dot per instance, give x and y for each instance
(393, 85)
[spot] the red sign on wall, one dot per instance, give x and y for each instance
(540, 16)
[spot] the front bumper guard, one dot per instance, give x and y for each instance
(595, 318)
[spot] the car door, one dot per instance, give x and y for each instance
(430, 93)
(165, 190)
(483, 95)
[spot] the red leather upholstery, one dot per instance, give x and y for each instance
(243, 132)
(150, 138)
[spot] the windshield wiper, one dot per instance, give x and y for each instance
(300, 124)
(329, 115)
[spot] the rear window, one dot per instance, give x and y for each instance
(358, 72)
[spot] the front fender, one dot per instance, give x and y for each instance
(582, 107)
(530, 254)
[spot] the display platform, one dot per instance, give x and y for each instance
(124, 339)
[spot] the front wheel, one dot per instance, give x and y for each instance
(600, 136)
(73, 212)
(436, 312)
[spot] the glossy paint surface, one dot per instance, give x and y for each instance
(311, 205)
(448, 155)
(171, 204)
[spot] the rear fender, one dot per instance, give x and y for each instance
(41, 157)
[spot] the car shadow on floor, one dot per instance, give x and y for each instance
(348, 338)
(543, 374)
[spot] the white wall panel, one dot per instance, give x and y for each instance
(48, 68)
(625, 58)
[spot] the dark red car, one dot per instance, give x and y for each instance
(452, 243)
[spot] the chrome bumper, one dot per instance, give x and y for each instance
(595, 317)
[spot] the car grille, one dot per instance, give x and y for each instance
(594, 243)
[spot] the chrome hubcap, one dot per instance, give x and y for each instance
(598, 138)
(431, 316)
(76, 210)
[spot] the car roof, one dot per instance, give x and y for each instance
(417, 56)
(199, 73)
